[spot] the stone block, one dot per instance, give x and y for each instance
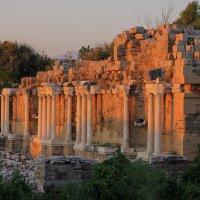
(137, 29)
(197, 55)
(180, 36)
(187, 55)
(189, 48)
(178, 48)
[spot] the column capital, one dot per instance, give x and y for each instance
(124, 89)
(95, 89)
(156, 89)
(8, 91)
(69, 91)
(26, 92)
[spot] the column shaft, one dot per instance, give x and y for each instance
(48, 116)
(69, 120)
(78, 119)
(150, 124)
(40, 116)
(83, 121)
(44, 117)
(2, 114)
(53, 117)
(26, 127)
(126, 123)
(89, 120)
(7, 114)
(157, 143)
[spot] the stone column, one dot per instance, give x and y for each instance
(53, 117)
(158, 120)
(126, 122)
(48, 116)
(89, 119)
(69, 120)
(172, 114)
(40, 116)
(26, 126)
(83, 120)
(44, 117)
(150, 124)
(78, 119)
(7, 114)
(2, 114)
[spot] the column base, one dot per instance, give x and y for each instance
(125, 144)
(143, 156)
(14, 143)
(68, 149)
(26, 143)
(79, 147)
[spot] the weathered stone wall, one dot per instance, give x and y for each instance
(57, 170)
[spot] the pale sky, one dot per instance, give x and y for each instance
(56, 26)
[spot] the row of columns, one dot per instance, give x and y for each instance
(47, 116)
(84, 124)
(5, 113)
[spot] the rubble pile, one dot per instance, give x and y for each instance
(10, 163)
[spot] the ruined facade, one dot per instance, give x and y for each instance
(146, 99)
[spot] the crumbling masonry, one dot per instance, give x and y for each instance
(146, 99)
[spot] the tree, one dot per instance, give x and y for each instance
(83, 52)
(190, 15)
(190, 181)
(19, 60)
(119, 179)
(99, 52)
(70, 58)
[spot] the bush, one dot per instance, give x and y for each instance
(190, 182)
(119, 179)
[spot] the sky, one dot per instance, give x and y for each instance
(58, 26)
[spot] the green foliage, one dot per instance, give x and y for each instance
(99, 52)
(70, 191)
(118, 178)
(19, 60)
(15, 189)
(190, 182)
(190, 16)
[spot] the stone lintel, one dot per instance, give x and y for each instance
(81, 89)
(50, 91)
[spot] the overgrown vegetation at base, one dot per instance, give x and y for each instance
(117, 178)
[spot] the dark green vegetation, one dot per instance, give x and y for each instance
(190, 15)
(117, 178)
(99, 52)
(19, 60)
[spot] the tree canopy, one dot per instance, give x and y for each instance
(19, 60)
(99, 52)
(190, 15)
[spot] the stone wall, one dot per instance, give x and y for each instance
(55, 171)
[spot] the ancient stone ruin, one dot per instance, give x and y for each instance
(146, 100)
